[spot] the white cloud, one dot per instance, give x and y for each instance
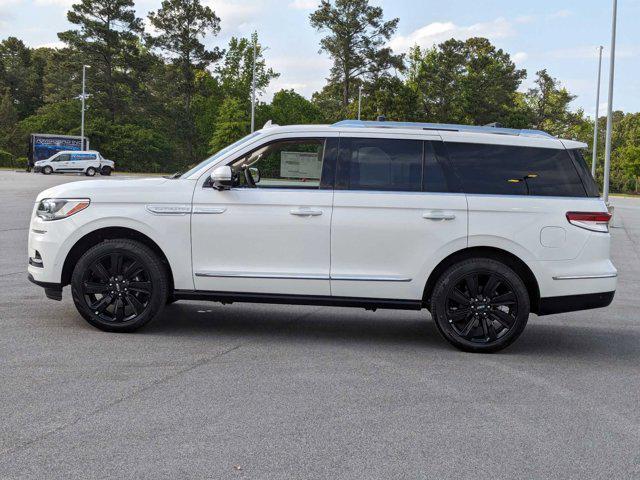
(303, 4)
(234, 15)
(54, 44)
(437, 32)
(560, 14)
(519, 57)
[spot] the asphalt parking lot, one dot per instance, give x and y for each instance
(286, 392)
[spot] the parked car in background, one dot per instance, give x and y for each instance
(88, 162)
(45, 145)
(480, 225)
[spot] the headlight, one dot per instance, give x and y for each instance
(57, 208)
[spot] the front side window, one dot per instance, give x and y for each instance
(514, 170)
(61, 158)
(295, 163)
(381, 164)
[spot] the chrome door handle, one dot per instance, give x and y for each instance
(305, 212)
(438, 215)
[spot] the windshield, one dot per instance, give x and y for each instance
(219, 154)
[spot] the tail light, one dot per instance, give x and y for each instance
(594, 221)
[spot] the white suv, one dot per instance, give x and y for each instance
(88, 162)
(479, 225)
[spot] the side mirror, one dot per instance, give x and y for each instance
(222, 178)
(255, 174)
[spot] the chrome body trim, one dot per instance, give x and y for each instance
(303, 276)
(370, 278)
(208, 210)
(584, 277)
(169, 209)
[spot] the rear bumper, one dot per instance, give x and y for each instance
(53, 291)
(572, 303)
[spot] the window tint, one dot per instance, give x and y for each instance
(438, 176)
(512, 170)
(61, 158)
(589, 183)
(284, 164)
(381, 164)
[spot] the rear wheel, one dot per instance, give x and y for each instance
(119, 285)
(91, 171)
(47, 170)
(480, 305)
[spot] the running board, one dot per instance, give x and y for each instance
(232, 297)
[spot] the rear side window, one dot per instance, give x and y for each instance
(380, 164)
(513, 170)
(589, 183)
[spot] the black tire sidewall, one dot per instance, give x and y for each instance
(106, 171)
(452, 275)
(144, 255)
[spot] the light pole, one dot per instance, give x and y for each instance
(594, 157)
(84, 76)
(253, 84)
(359, 101)
(612, 61)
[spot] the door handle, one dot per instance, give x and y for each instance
(438, 215)
(305, 212)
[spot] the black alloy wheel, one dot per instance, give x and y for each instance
(119, 285)
(480, 305)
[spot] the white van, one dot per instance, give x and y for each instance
(479, 225)
(88, 162)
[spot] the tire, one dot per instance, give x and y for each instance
(106, 171)
(47, 170)
(480, 305)
(119, 285)
(90, 172)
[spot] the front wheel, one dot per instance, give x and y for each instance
(119, 285)
(480, 305)
(47, 170)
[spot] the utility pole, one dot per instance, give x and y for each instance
(84, 96)
(359, 101)
(594, 157)
(612, 62)
(253, 83)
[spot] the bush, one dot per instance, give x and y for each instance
(6, 159)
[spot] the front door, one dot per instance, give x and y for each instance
(270, 232)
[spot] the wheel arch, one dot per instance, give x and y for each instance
(508, 258)
(109, 233)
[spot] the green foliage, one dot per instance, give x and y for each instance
(233, 124)
(6, 159)
(356, 41)
(291, 108)
(137, 149)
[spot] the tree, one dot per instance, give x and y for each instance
(8, 120)
(549, 104)
(233, 124)
(464, 82)
(356, 41)
(291, 108)
(108, 41)
(235, 71)
(180, 25)
(21, 72)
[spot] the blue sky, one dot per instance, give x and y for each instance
(561, 36)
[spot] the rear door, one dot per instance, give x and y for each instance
(396, 214)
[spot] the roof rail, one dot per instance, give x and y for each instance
(444, 127)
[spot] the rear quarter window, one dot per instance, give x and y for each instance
(515, 170)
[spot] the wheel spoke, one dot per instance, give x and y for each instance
(491, 285)
(505, 299)
(461, 314)
(93, 288)
(459, 297)
(101, 304)
(505, 320)
(144, 287)
(101, 272)
(132, 270)
(467, 328)
(472, 284)
(487, 327)
(116, 263)
(118, 309)
(135, 303)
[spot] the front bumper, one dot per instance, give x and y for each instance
(37, 169)
(53, 291)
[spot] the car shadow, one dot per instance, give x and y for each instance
(321, 324)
